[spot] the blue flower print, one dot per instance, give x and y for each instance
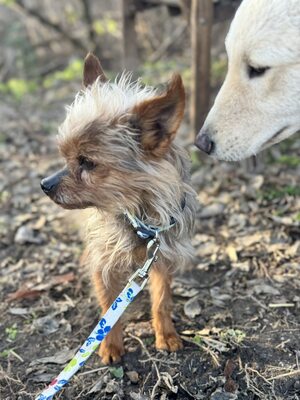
(89, 341)
(101, 333)
(62, 382)
(102, 323)
(115, 303)
(129, 294)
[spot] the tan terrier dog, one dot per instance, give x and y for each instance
(122, 162)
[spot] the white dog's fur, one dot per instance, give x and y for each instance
(252, 114)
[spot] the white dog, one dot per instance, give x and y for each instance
(259, 102)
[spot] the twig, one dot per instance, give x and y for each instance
(160, 361)
(258, 302)
(16, 355)
(257, 373)
(280, 305)
(292, 373)
(206, 349)
(92, 371)
(159, 379)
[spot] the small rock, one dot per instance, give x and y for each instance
(137, 396)
(112, 387)
(26, 235)
(60, 357)
(133, 376)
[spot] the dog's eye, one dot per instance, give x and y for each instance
(256, 72)
(86, 164)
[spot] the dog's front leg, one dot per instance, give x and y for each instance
(160, 289)
(112, 348)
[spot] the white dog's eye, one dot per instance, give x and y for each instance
(254, 72)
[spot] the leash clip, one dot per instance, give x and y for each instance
(152, 250)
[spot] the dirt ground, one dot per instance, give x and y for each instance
(237, 310)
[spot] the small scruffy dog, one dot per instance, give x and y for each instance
(117, 141)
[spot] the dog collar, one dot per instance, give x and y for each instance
(146, 231)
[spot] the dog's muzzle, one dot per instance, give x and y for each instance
(50, 183)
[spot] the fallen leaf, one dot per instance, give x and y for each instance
(25, 235)
(46, 325)
(192, 307)
(19, 311)
(40, 223)
(23, 293)
(61, 357)
(117, 372)
(265, 289)
(232, 254)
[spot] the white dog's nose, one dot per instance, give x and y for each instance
(204, 143)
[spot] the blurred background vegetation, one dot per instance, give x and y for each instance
(43, 44)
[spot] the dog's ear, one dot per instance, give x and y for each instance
(159, 118)
(92, 70)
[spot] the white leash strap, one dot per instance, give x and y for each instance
(105, 325)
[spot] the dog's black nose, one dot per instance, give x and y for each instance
(47, 185)
(204, 143)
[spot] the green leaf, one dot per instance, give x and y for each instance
(197, 339)
(117, 372)
(11, 332)
(5, 353)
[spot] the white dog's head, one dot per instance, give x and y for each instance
(259, 102)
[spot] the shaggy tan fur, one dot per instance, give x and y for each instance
(117, 141)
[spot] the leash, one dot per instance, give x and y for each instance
(106, 323)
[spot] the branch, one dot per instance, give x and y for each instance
(19, 5)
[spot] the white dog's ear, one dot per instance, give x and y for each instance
(158, 118)
(92, 70)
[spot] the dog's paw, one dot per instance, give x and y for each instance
(111, 352)
(171, 342)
